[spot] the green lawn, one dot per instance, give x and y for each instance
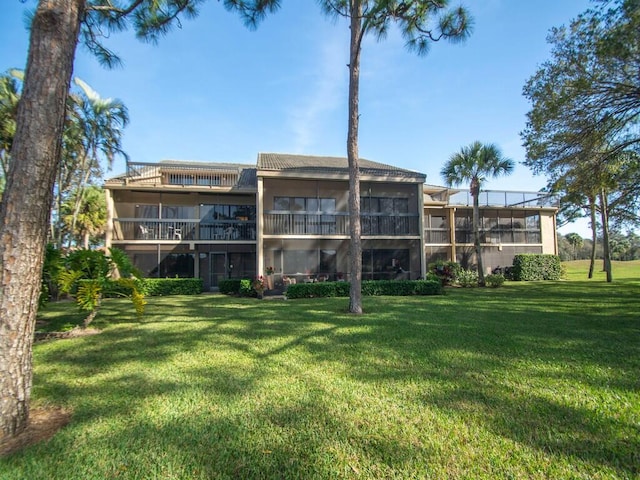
(532, 380)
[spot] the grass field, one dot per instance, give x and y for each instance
(533, 380)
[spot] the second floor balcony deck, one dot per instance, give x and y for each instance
(275, 224)
(322, 224)
(180, 230)
(188, 174)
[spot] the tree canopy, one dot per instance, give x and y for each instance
(582, 128)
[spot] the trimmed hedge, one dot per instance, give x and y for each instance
(369, 287)
(157, 287)
(242, 287)
(230, 286)
(533, 266)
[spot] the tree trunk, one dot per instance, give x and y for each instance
(24, 213)
(355, 250)
(475, 192)
(594, 235)
(606, 250)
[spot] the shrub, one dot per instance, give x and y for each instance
(229, 286)
(160, 287)
(531, 266)
(246, 288)
(447, 272)
(494, 280)
(467, 278)
(369, 287)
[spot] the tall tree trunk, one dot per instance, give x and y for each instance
(594, 235)
(606, 250)
(475, 192)
(355, 246)
(24, 212)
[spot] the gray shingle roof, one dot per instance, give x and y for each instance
(327, 165)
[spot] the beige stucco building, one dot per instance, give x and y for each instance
(289, 213)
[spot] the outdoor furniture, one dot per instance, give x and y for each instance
(174, 233)
(145, 232)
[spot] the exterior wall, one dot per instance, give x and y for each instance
(549, 232)
(175, 230)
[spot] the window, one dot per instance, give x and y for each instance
(178, 211)
(147, 211)
(312, 216)
(379, 216)
(385, 264)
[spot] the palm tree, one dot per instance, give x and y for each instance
(576, 242)
(9, 96)
(474, 164)
(90, 219)
(101, 121)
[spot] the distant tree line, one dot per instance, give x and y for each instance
(623, 247)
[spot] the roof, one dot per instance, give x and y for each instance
(324, 165)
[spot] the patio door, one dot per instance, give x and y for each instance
(218, 268)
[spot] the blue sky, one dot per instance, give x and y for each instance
(212, 90)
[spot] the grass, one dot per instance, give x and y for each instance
(532, 380)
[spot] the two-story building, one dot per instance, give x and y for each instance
(289, 214)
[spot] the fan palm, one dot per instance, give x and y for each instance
(473, 164)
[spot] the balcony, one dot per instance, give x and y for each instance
(187, 175)
(180, 230)
(516, 235)
(503, 198)
(285, 223)
(437, 235)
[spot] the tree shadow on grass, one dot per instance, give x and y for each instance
(461, 341)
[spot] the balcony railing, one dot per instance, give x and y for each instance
(501, 236)
(437, 235)
(183, 175)
(178, 230)
(502, 198)
(338, 224)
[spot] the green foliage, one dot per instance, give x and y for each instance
(92, 264)
(468, 278)
(230, 286)
(51, 269)
(369, 288)
(494, 280)
(531, 266)
(137, 297)
(68, 281)
(87, 278)
(123, 263)
(88, 295)
(246, 288)
(446, 271)
(159, 287)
